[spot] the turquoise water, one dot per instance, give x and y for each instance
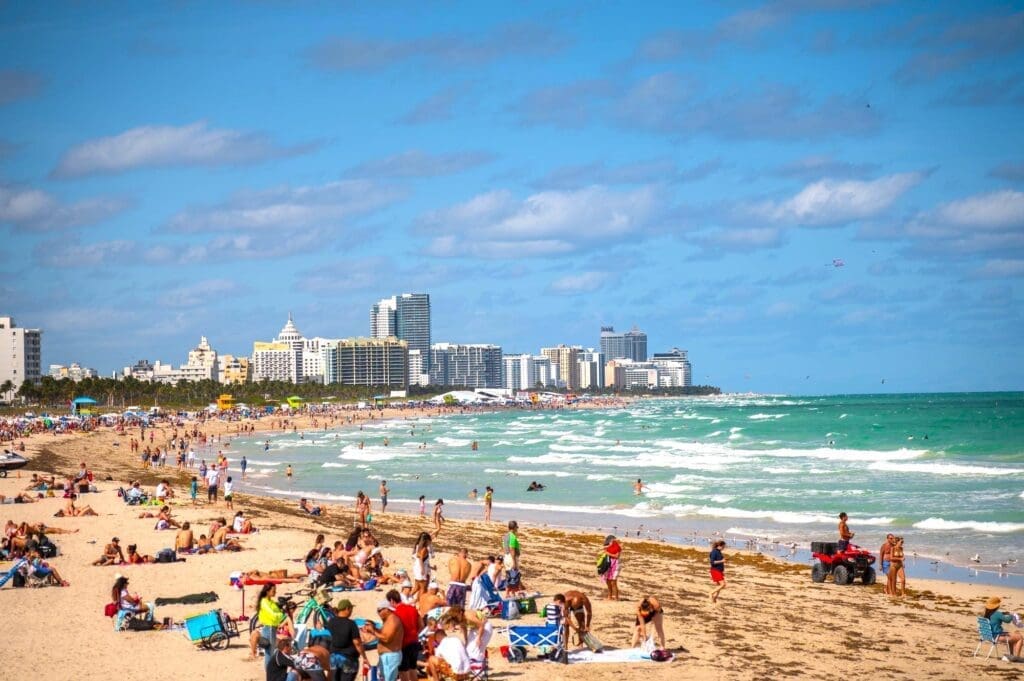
(944, 470)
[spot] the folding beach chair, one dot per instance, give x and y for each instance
(18, 564)
(985, 635)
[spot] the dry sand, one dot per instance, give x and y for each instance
(771, 621)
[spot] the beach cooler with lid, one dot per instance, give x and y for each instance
(211, 629)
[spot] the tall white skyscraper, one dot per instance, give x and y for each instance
(20, 354)
(406, 317)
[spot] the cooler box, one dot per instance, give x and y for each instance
(527, 606)
(201, 626)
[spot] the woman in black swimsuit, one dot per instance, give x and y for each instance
(649, 612)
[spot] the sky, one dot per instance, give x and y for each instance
(810, 196)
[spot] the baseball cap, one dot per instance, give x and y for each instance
(343, 604)
(385, 605)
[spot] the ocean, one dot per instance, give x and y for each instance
(946, 471)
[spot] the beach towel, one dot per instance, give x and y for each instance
(629, 655)
(190, 599)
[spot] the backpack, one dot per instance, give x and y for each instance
(165, 556)
(110, 609)
(18, 581)
(604, 563)
(661, 655)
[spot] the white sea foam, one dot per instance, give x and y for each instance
(943, 469)
(714, 434)
(735, 436)
(254, 462)
(843, 416)
(601, 476)
(977, 526)
(762, 417)
(780, 470)
(735, 429)
(377, 454)
(452, 442)
(330, 464)
(787, 517)
(512, 471)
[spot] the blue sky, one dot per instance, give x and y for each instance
(541, 169)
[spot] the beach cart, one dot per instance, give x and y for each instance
(211, 630)
(520, 636)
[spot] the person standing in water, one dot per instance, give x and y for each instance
(638, 488)
(384, 495)
(288, 472)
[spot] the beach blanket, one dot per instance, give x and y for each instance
(190, 599)
(628, 655)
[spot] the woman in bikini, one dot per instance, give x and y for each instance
(897, 573)
(649, 612)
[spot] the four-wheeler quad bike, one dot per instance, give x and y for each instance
(844, 566)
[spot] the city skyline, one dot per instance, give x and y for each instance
(809, 197)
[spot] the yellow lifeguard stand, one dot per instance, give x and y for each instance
(225, 402)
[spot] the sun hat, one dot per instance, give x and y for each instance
(433, 585)
(993, 603)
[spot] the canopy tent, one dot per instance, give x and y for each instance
(79, 402)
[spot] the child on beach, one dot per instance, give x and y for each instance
(423, 506)
(717, 560)
(193, 489)
(229, 487)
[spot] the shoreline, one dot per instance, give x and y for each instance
(767, 624)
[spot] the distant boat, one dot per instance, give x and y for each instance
(10, 461)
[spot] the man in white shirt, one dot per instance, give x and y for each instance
(211, 484)
(450, 657)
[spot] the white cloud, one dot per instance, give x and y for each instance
(71, 252)
(199, 293)
(831, 202)
(416, 163)
(287, 208)
(995, 210)
(1001, 267)
(496, 225)
(34, 209)
(167, 145)
(582, 282)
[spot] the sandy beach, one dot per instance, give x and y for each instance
(771, 621)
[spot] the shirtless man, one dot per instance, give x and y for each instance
(389, 640)
(459, 568)
(185, 541)
(578, 605)
(430, 599)
(844, 533)
(112, 553)
(885, 556)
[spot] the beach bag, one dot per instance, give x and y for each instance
(110, 609)
(509, 610)
(165, 556)
(140, 624)
(661, 655)
(18, 580)
(604, 563)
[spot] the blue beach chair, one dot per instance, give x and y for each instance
(7, 576)
(985, 635)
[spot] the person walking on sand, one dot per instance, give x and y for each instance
(845, 535)
(488, 501)
(613, 550)
(423, 506)
(438, 517)
(717, 560)
(885, 558)
(896, 571)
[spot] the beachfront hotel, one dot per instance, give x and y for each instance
(20, 354)
(234, 370)
(629, 345)
(74, 371)
(406, 317)
(471, 366)
(566, 358)
(526, 372)
(367, 361)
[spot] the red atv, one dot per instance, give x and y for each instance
(844, 566)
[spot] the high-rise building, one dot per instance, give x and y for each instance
(566, 358)
(591, 363)
(630, 345)
(20, 355)
(281, 359)
(74, 371)
(472, 366)
(367, 361)
(674, 369)
(233, 370)
(625, 374)
(407, 317)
